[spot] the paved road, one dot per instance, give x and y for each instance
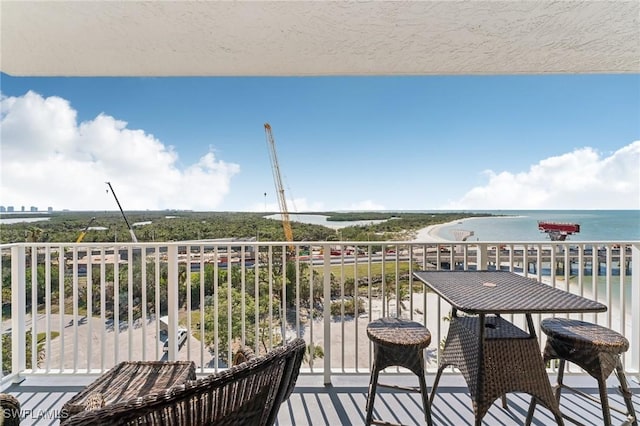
(81, 346)
(92, 344)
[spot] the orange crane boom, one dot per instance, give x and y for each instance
(85, 230)
(277, 179)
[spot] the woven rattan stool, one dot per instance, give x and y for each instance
(398, 342)
(595, 349)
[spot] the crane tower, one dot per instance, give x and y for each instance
(277, 179)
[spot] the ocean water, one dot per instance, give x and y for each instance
(522, 225)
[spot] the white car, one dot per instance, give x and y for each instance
(182, 337)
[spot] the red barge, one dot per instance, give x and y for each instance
(558, 231)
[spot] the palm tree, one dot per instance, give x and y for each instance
(33, 234)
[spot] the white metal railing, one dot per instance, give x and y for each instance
(81, 308)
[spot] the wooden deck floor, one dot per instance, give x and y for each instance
(343, 403)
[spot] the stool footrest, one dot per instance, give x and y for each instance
(591, 398)
(406, 388)
(382, 422)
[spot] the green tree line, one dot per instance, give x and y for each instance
(184, 226)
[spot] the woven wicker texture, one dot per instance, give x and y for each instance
(398, 342)
(499, 359)
(397, 332)
(9, 410)
(594, 348)
(506, 360)
(131, 379)
(584, 335)
(247, 394)
(495, 292)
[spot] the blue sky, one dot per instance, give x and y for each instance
(343, 143)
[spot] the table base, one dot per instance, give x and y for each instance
(507, 359)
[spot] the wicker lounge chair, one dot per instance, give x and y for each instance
(249, 393)
(9, 409)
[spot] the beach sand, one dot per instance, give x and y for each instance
(430, 233)
(355, 354)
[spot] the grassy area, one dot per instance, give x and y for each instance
(362, 270)
(42, 338)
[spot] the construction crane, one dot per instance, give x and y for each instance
(133, 235)
(277, 179)
(84, 231)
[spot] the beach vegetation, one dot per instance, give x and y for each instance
(347, 307)
(7, 355)
(313, 352)
(172, 225)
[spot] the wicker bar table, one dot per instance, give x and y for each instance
(130, 379)
(494, 356)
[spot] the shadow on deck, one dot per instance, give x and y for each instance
(343, 403)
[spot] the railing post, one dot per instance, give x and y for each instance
(172, 300)
(482, 256)
(635, 310)
(327, 314)
(18, 312)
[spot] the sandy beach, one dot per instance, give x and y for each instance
(430, 233)
(350, 346)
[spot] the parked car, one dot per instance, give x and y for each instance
(182, 337)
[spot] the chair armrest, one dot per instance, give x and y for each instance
(10, 410)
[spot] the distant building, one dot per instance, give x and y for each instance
(50, 209)
(2, 209)
(33, 209)
(10, 209)
(22, 208)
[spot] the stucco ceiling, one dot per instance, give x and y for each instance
(275, 38)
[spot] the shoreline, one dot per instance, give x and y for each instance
(430, 233)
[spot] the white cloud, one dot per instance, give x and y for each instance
(48, 159)
(582, 179)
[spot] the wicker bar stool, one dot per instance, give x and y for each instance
(595, 349)
(398, 342)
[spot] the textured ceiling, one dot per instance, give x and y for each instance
(274, 38)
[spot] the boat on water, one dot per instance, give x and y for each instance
(558, 231)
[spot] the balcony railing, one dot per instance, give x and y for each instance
(82, 308)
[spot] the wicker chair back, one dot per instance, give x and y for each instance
(248, 394)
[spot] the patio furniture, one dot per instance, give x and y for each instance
(494, 356)
(595, 349)
(9, 410)
(130, 379)
(248, 394)
(398, 342)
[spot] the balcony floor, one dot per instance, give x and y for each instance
(343, 403)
